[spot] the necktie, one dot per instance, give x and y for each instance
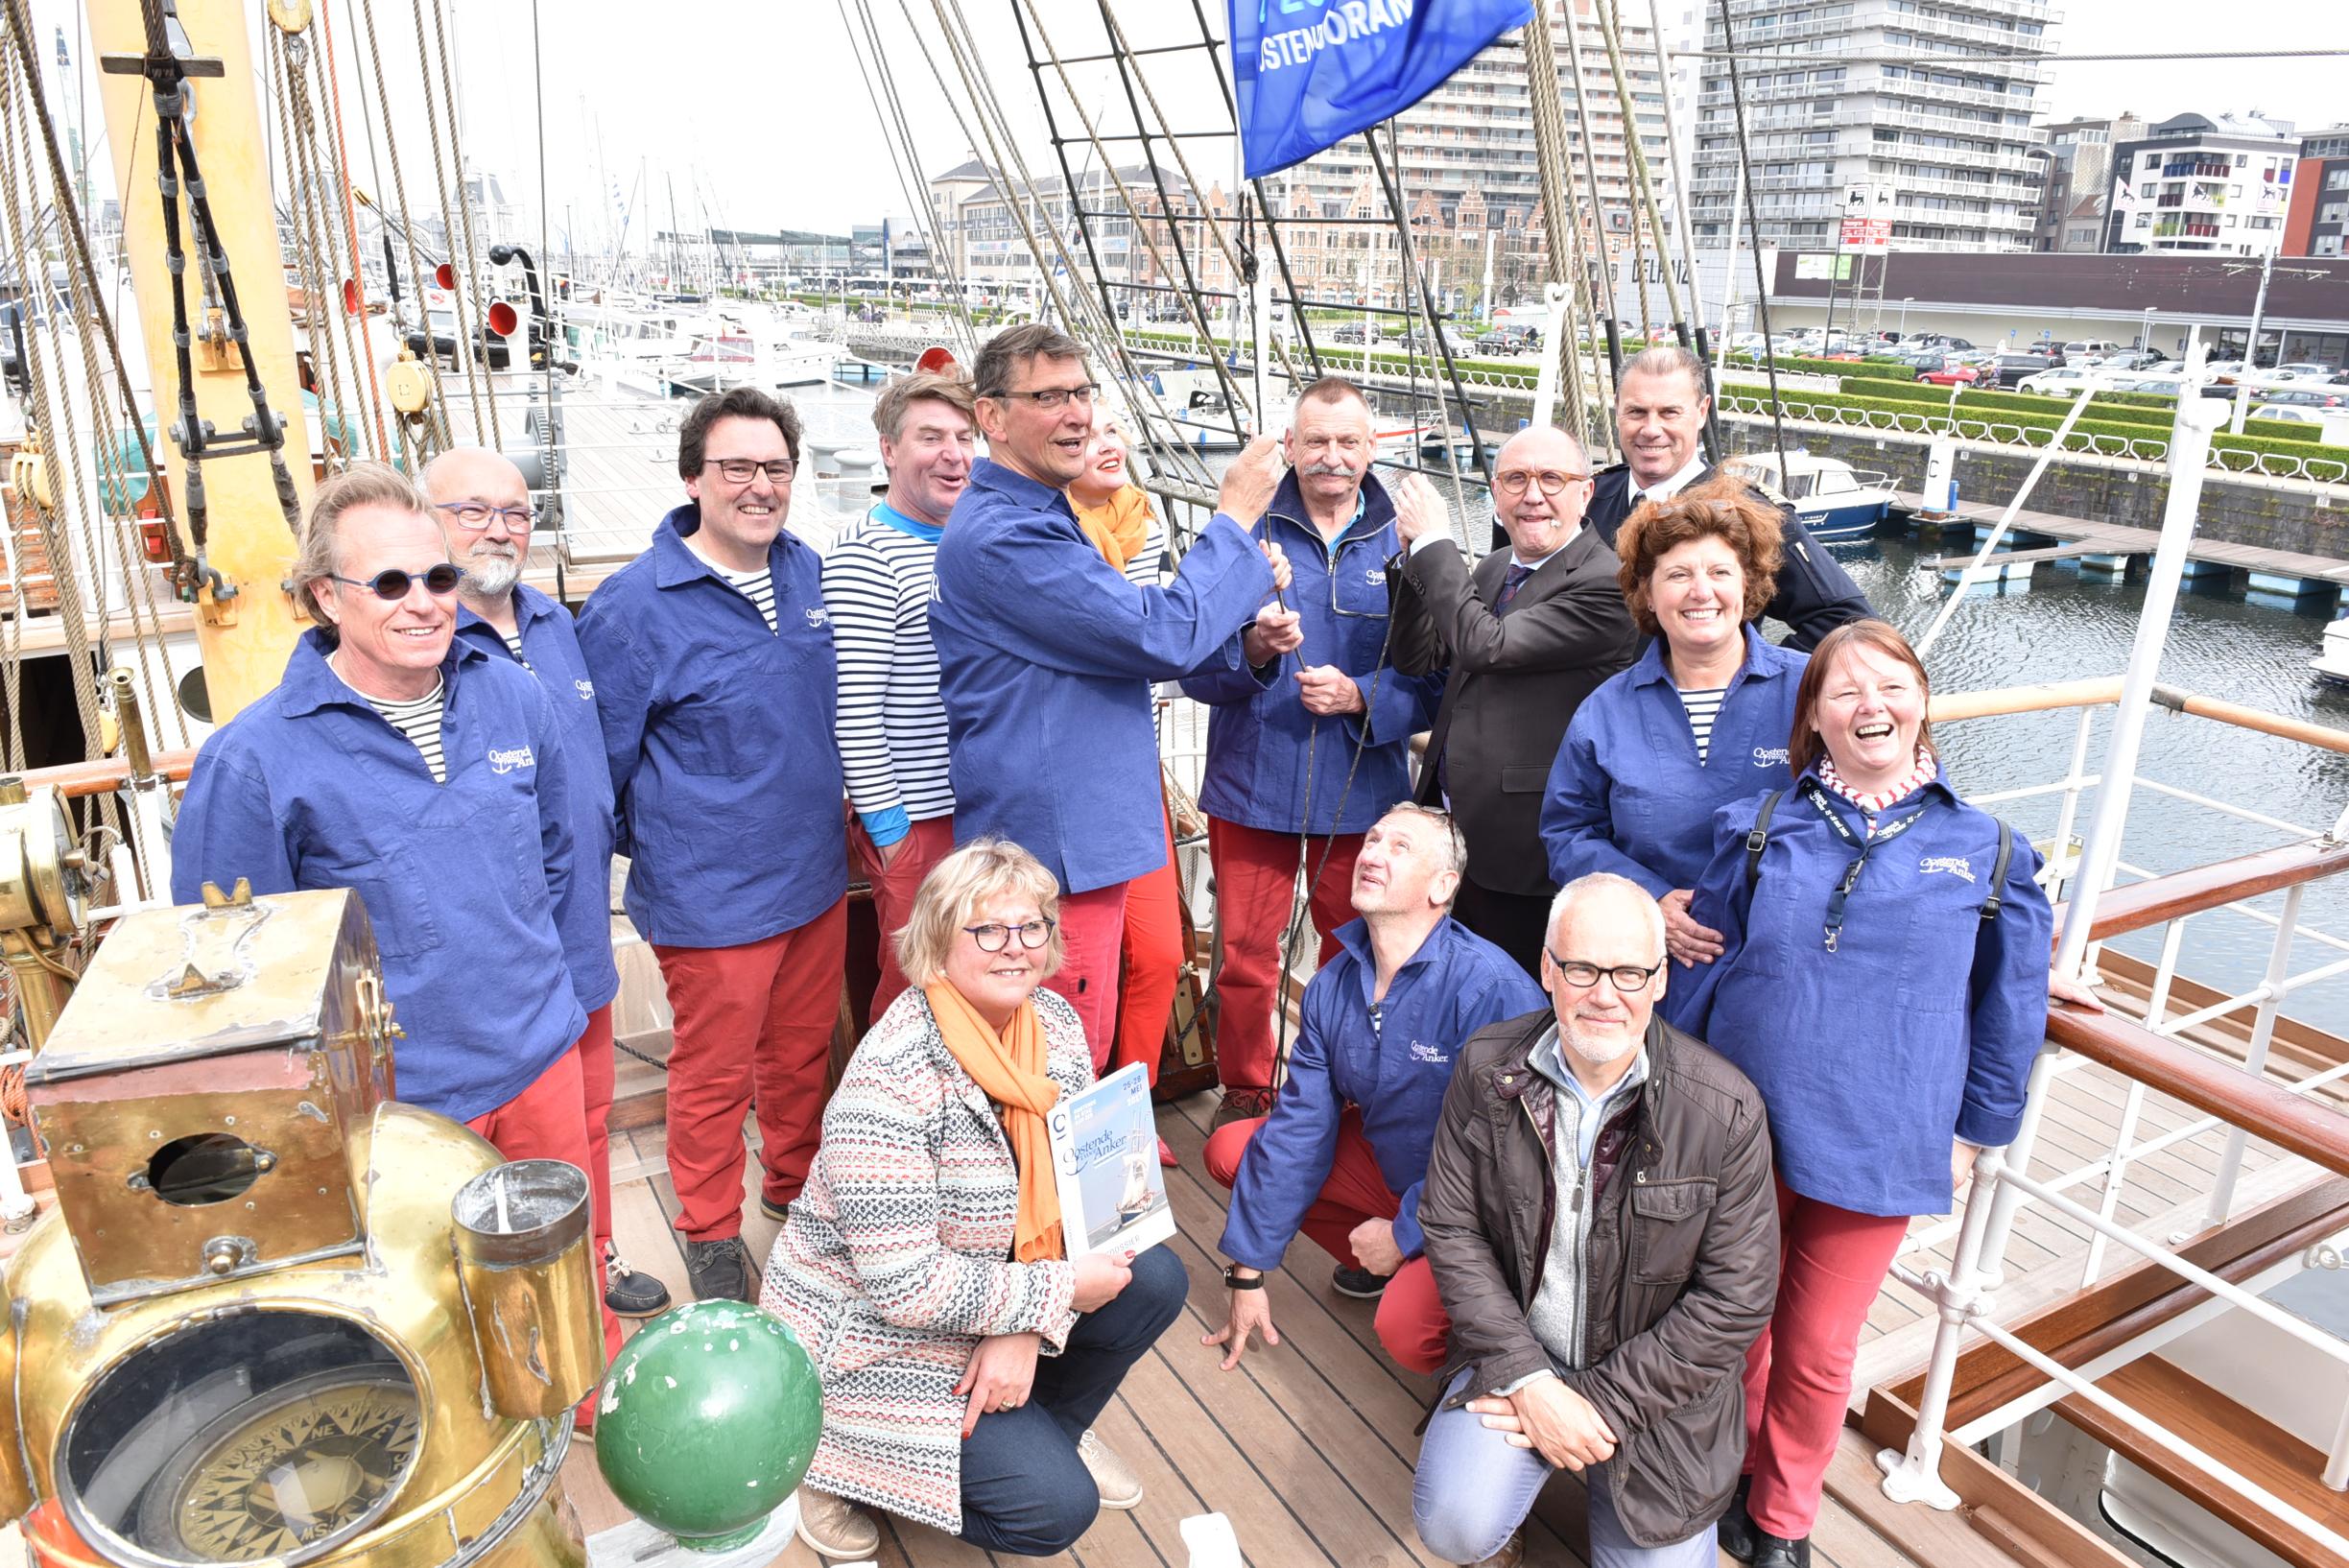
(1510, 584)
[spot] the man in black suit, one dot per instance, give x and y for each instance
(1660, 410)
(1526, 633)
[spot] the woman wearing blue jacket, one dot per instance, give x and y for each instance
(1700, 721)
(1883, 982)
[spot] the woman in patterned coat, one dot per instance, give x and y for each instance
(963, 1359)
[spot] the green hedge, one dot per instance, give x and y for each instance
(2112, 438)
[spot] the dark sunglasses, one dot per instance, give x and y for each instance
(392, 583)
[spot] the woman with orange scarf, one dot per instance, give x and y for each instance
(1116, 515)
(963, 1357)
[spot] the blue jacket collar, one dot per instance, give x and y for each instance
(1763, 662)
(530, 605)
(310, 684)
(1353, 936)
(674, 560)
(1372, 512)
(987, 474)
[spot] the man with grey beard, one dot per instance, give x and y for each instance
(1307, 742)
(485, 508)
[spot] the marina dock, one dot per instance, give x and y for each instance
(2040, 538)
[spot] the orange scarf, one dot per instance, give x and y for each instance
(1119, 526)
(1009, 1069)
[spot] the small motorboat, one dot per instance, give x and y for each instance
(1836, 502)
(2331, 662)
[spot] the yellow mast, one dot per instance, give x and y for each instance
(245, 624)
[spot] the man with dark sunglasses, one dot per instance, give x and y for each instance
(433, 780)
(715, 676)
(484, 504)
(1304, 753)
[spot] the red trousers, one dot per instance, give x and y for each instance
(546, 1121)
(1256, 875)
(1152, 950)
(596, 1074)
(1411, 1318)
(753, 1029)
(894, 887)
(1799, 1374)
(1092, 941)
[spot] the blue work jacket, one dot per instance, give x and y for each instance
(1392, 1060)
(1269, 764)
(550, 642)
(725, 773)
(1626, 794)
(1921, 1025)
(1045, 655)
(467, 883)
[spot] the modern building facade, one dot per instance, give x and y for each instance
(2316, 223)
(2076, 193)
(1952, 137)
(2206, 184)
(982, 219)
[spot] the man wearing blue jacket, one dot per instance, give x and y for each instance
(432, 781)
(712, 660)
(1301, 759)
(1344, 1152)
(1047, 653)
(484, 506)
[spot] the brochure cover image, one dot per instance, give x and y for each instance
(1106, 1156)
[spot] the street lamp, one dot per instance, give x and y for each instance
(1906, 301)
(2145, 333)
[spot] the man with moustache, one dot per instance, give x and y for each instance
(484, 506)
(1525, 636)
(877, 582)
(1660, 411)
(1301, 761)
(713, 667)
(1047, 653)
(1604, 1328)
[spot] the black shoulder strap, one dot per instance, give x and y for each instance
(1759, 839)
(1998, 875)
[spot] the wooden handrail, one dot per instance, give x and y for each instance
(2160, 899)
(2293, 1123)
(2179, 700)
(107, 774)
(1951, 706)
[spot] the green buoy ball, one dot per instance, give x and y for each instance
(707, 1420)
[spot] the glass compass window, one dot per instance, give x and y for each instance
(268, 1434)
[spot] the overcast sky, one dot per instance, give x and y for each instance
(758, 117)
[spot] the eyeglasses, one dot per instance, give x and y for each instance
(1627, 980)
(993, 937)
(476, 516)
(1514, 481)
(392, 584)
(742, 471)
(1056, 397)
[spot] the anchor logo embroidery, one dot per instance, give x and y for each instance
(505, 759)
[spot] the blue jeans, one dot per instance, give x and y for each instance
(1473, 1490)
(1025, 1489)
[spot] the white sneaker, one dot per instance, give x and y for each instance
(835, 1527)
(1112, 1477)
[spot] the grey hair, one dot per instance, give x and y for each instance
(361, 484)
(1600, 881)
(1666, 360)
(1455, 858)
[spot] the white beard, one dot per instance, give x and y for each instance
(492, 576)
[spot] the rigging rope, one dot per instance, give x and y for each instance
(1754, 220)
(436, 420)
(464, 274)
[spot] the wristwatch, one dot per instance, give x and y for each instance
(1232, 1281)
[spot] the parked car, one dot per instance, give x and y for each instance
(2287, 414)
(1939, 339)
(2154, 387)
(1353, 332)
(1947, 372)
(2009, 370)
(2065, 381)
(2089, 350)
(2302, 371)
(2304, 397)
(1510, 340)
(2132, 359)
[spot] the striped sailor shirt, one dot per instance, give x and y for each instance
(758, 585)
(877, 581)
(420, 722)
(1703, 706)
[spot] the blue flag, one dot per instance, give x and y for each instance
(1312, 73)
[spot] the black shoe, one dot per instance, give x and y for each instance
(1736, 1531)
(777, 1212)
(1777, 1552)
(630, 1294)
(1359, 1283)
(718, 1271)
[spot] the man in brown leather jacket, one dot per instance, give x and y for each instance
(1604, 1232)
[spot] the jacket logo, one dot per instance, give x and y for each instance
(816, 617)
(586, 689)
(1428, 1054)
(1375, 577)
(505, 759)
(1766, 756)
(1954, 865)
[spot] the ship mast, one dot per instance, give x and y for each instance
(246, 624)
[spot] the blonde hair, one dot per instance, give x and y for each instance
(979, 870)
(320, 556)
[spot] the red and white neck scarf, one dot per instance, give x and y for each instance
(1872, 804)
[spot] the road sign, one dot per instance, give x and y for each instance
(1866, 217)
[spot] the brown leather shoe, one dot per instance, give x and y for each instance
(1240, 1105)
